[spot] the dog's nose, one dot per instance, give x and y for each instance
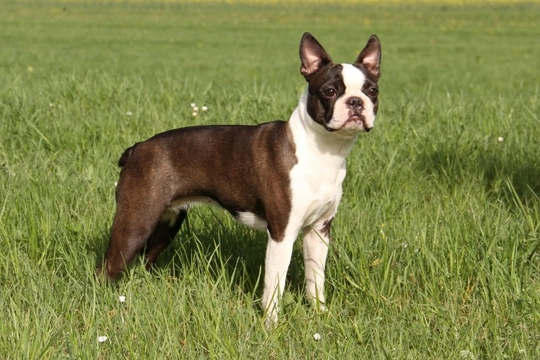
(368, 129)
(355, 102)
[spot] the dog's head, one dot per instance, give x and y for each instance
(342, 98)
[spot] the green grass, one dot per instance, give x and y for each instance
(436, 250)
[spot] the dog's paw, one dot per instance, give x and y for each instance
(271, 319)
(322, 308)
(317, 304)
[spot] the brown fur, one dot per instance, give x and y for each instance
(210, 162)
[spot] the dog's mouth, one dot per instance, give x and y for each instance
(356, 120)
(354, 123)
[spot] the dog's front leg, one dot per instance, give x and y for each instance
(278, 258)
(316, 242)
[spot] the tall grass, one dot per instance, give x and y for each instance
(436, 250)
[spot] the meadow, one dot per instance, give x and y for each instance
(436, 246)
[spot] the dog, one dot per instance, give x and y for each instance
(283, 177)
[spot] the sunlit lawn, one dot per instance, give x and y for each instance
(436, 250)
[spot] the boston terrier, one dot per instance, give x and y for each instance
(281, 177)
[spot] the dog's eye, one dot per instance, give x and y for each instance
(330, 92)
(373, 91)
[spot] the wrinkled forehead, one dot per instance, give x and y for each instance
(344, 77)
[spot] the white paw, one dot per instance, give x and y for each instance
(271, 321)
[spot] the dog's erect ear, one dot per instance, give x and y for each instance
(313, 55)
(370, 57)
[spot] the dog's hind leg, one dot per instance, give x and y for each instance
(163, 234)
(136, 219)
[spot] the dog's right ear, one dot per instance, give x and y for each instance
(312, 55)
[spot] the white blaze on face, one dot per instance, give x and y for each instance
(354, 80)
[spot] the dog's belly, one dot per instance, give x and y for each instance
(171, 214)
(244, 217)
(188, 201)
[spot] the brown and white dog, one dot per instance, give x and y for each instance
(282, 177)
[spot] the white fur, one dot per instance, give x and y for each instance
(252, 220)
(316, 182)
(171, 214)
(187, 202)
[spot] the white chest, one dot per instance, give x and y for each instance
(316, 179)
(315, 189)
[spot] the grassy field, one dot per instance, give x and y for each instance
(436, 251)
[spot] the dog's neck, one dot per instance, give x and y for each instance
(313, 138)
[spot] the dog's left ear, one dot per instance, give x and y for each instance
(370, 57)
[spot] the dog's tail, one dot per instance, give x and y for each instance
(126, 155)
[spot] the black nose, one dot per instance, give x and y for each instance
(355, 102)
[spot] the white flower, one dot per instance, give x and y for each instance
(102, 339)
(193, 105)
(500, 139)
(205, 108)
(317, 336)
(194, 113)
(129, 113)
(51, 104)
(122, 298)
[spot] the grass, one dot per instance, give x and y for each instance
(436, 250)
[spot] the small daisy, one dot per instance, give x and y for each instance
(102, 339)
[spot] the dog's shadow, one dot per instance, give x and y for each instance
(515, 183)
(210, 241)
